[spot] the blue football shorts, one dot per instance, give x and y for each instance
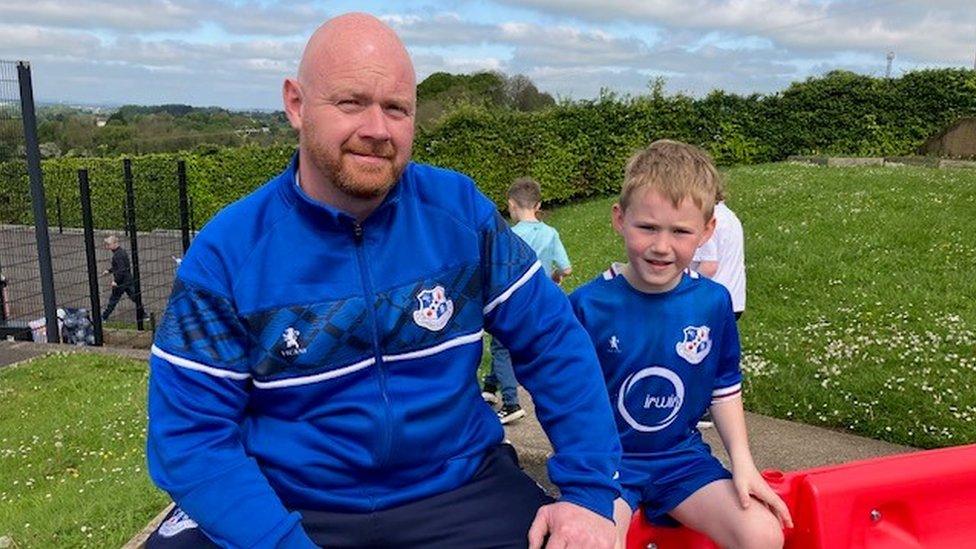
(660, 481)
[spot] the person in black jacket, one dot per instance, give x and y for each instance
(121, 271)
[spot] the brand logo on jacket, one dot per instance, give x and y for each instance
(292, 346)
(434, 309)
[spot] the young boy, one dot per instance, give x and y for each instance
(524, 202)
(669, 348)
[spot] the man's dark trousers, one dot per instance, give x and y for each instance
(494, 509)
(128, 288)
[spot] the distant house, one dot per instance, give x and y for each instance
(956, 141)
(101, 121)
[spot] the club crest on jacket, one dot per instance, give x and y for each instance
(434, 309)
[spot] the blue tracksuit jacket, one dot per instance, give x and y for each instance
(306, 361)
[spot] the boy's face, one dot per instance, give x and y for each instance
(660, 239)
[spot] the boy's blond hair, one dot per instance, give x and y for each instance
(676, 170)
(525, 192)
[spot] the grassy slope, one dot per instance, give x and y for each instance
(72, 452)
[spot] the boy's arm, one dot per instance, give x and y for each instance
(707, 268)
(705, 260)
(730, 419)
(730, 422)
(561, 259)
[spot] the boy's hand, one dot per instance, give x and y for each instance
(569, 525)
(750, 484)
(558, 276)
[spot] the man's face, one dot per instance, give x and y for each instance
(357, 122)
(660, 238)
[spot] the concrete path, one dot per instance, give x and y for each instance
(776, 444)
(12, 352)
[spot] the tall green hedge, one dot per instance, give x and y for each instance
(574, 149)
(215, 177)
(579, 148)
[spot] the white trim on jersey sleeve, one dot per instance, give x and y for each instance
(196, 366)
(355, 367)
(511, 289)
(723, 394)
(615, 269)
(306, 380)
(457, 341)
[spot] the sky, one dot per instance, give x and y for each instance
(235, 54)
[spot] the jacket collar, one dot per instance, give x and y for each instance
(326, 213)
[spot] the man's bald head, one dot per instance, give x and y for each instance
(344, 38)
(353, 105)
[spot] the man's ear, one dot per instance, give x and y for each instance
(291, 95)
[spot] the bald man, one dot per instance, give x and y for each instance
(313, 379)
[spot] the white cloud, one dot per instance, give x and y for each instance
(135, 15)
(236, 52)
(937, 31)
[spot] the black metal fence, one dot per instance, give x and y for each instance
(26, 273)
(58, 272)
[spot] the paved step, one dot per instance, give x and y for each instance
(775, 443)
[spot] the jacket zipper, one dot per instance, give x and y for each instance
(384, 451)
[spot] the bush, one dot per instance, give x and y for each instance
(574, 149)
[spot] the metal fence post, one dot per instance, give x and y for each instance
(86, 218)
(184, 205)
(130, 203)
(38, 201)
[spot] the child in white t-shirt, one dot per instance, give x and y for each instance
(722, 257)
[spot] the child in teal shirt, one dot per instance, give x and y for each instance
(524, 202)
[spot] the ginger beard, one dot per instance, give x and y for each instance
(355, 177)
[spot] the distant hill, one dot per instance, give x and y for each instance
(89, 130)
(441, 91)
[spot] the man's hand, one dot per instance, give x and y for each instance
(569, 525)
(114, 284)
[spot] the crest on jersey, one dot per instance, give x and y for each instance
(434, 309)
(696, 344)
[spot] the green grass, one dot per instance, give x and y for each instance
(72, 452)
(860, 317)
(861, 286)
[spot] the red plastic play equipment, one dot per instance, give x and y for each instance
(920, 499)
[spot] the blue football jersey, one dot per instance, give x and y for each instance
(665, 357)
